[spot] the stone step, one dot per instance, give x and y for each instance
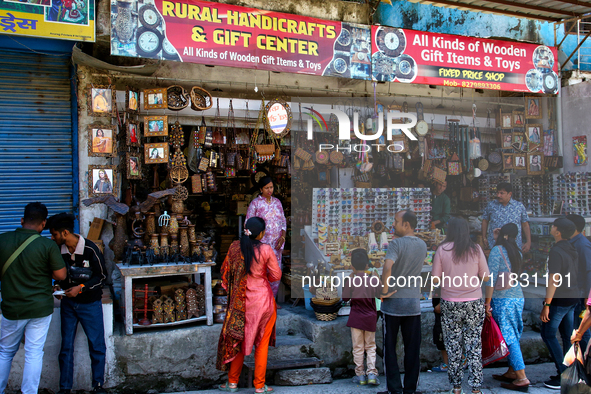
(288, 347)
(303, 377)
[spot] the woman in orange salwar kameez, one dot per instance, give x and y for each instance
(250, 320)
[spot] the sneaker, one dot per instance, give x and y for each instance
(440, 368)
(361, 380)
(99, 389)
(373, 379)
(553, 384)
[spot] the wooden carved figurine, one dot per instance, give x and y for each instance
(168, 310)
(179, 298)
(158, 316)
(192, 307)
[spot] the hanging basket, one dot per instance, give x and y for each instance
(483, 164)
(178, 98)
(302, 154)
(265, 149)
(200, 99)
(494, 158)
(336, 157)
(321, 157)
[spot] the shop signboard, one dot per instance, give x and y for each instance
(59, 19)
(410, 56)
(227, 35)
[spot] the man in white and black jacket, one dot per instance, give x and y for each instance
(82, 302)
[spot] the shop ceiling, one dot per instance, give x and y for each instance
(544, 10)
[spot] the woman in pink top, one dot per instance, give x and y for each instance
(250, 319)
(460, 265)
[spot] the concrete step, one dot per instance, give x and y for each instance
(303, 377)
(289, 346)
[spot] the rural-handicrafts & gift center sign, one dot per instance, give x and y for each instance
(227, 35)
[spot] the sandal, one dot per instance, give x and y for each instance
(265, 390)
(228, 387)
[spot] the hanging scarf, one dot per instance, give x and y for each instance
(234, 281)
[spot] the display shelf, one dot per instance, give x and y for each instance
(176, 323)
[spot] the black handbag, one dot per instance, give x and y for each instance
(79, 275)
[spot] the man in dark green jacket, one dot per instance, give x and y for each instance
(441, 206)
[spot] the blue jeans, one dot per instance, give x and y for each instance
(579, 308)
(35, 331)
(561, 318)
(90, 317)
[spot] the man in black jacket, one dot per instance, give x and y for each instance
(84, 289)
(562, 294)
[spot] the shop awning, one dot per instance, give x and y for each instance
(544, 10)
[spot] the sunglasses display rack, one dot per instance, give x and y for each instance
(573, 190)
(487, 187)
(352, 211)
(534, 192)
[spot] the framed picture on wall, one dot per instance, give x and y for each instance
(508, 161)
(100, 140)
(535, 163)
(102, 180)
(132, 100)
(506, 121)
(134, 165)
(518, 138)
(156, 153)
(534, 133)
(155, 126)
(133, 133)
(533, 108)
(507, 140)
(518, 119)
(519, 161)
(101, 101)
(155, 98)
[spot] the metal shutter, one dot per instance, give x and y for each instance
(35, 134)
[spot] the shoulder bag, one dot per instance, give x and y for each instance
(17, 252)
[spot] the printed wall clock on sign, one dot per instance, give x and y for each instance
(149, 16)
(407, 69)
(384, 69)
(169, 51)
(344, 38)
(149, 42)
(391, 41)
(550, 82)
(340, 65)
(533, 80)
(543, 59)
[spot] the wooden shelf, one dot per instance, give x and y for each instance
(176, 323)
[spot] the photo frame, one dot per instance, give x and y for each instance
(534, 133)
(102, 101)
(132, 100)
(102, 180)
(519, 161)
(533, 109)
(507, 140)
(506, 121)
(400, 142)
(155, 126)
(508, 161)
(101, 140)
(156, 153)
(155, 98)
(518, 119)
(134, 165)
(535, 163)
(132, 130)
(518, 138)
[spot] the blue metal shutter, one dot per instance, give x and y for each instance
(35, 134)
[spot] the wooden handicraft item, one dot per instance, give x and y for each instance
(155, 126)
(102, 101)
(535, 163)
(278, 117)
(102, 180)
(155, 98)
(177, 98)
(534, 133)
(168, 307)
(180, 306)
(519, 161)
(533, 108)
(508, 161)
(132, 129)
(134, 165)
(156, 153)
(158, 315)
(518, 119)
(132, 100)
(101, 140)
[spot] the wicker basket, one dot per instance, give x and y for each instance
(265, 149)
(319, 301)
(326, 316)
(302, 154)
(178, 98)
(336, 157)
(321, 157)
(200, 99)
